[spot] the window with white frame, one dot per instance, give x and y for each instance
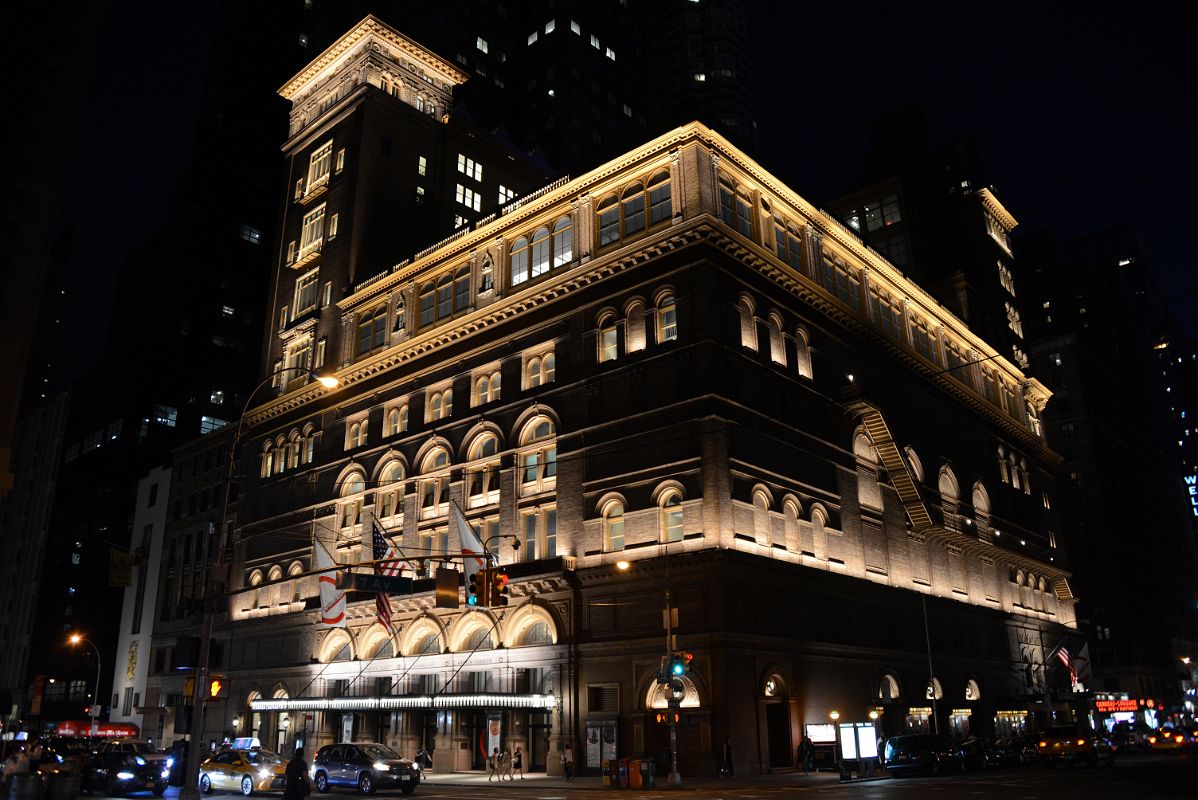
(319, 165)
(539, 529)
(291, 251)
(777, 346)
(306, 288)
(482, 476)
(539, 369)
(538, 457)
(439, 404)
(333, 222)
(312, 234)
(421, 165)
(485, 387)
(297, 360)
(372, 330)
(470, 168)
(355, 432)
(609, 340)
(736, 208)
(671, 516)
(322, 346)
(350, 505)
(340, 160)
(548, 248)
(667, 319)
(840, 278)
(613, 526)
(788, 243)
(481, 44)
(434, 486)
(886, 312)
(389, 494)
(445, 296)
(634, 208)
(395, 419)
(506, 195)
(468, 197)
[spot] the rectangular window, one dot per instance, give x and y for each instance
(532, 37)
(468, 197)
(575, 28)
(506, 195)
(318, 166)
(481, 44)
(291, 251)
(210, 424)
(421, 165)
(470, 168)
(595, 41)
(609, 226)
(320, 352)
(251, 234)
(340, 160)
(305, 293)
(924, 340)
(882, 213)
(550, 26)
(333, 225)
(327, 295)
(312, 236)
(608, 343)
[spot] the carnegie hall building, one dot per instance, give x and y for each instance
(671, 374)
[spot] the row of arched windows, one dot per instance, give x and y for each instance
(1012, 469)
(546, 249)
(664, 318)
(669, 518)
(638, 206)
(288, 452)
(746, 310)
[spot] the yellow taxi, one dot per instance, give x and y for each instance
(1166, 739)
(1073, 744)
(245, 771)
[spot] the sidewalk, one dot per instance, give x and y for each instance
(539, 780)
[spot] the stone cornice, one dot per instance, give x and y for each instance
(996, 209)
(370, 27)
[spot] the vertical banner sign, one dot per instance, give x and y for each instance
(1192, 489)
(593, 758)
(494, 737)
(347, 727)
(608, 751)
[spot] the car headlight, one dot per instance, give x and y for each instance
(170, 761)
(382, 766)
(124, 776)
(166, 773)
(264, 774)
(141, 762)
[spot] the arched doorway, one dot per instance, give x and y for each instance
(780, 746)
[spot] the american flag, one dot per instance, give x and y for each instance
(1063, 654)
(382, 603)
(384, 550)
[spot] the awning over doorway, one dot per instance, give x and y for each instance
(410, 701)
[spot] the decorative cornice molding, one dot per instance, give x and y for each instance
(996, 209)
(370, 27)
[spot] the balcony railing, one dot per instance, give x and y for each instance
(308, 253)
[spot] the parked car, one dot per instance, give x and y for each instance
(245, 771)
(135, 747)
(366, 766)
(117, 773)
(928, 753)
(980, 753)
(1070, 744)
(1166, 739)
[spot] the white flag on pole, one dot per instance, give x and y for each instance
(472, 547)
(332, 599)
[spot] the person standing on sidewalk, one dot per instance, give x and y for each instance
(518, 762)
(493, 766)
(568, 762)
(727, 771)
(807, 754)
(296, 784)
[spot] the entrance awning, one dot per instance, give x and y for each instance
(405, 702)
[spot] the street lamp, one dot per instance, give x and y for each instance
(835, 715)
(216, 584)
(76, 639)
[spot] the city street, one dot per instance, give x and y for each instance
(1143, 777)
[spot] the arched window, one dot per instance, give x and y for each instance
(357, 434)
(1025, 476)
(294, 572)
(480, 639)
(632, 208)
(520, 260)
(537, 634)
(913, 463)
(973, 692)
(736, 209)
(428, 304)
(294, 449)
(401, 316)
(461, 289)
(949, 497)
(538, 461)
(748, 323)
(659, 197)
(539, 370)
(1004, 469)
(310, 435)
(434, 490)
(934, 690)
(609, 220)
(788, 243)
(671, 516)
(981, 507)
(1016, 477)
(396, 420)
(486, 388)
(888, 689)
(634, 326)
(667, 319)
(541, 246)
(609, 341)
(613, 526)
(563, 242)
(482, 479)
(352, 488)
(777, 349)
(440, 405)
(803, 354)
(268, 460)
(389, 496)
(430, 644)
(372, 330)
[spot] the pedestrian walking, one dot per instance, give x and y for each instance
(807, 755)
(518, 762)
(727, 771)
(296, 785)
(493, 766)
(568, 762)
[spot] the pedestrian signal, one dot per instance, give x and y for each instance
(218, 688)
(479, 584)
(666, 717)
(500, 594)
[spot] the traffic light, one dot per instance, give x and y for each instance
(480, 583)
(218, 687)
(500, 594)
(680, 663)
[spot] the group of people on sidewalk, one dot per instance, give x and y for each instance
(22, 760)
(505, 764)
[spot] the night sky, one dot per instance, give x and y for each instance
(1086, 114)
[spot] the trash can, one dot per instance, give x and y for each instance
(61, 786)
(648, 773)
(622, 766)
(634, 774)
(26, 786)
(605, 769)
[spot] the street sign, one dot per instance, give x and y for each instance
(365, 582)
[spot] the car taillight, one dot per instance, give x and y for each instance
(1179, 738)
(1081, 742)
(1044, 744)
(1151, 740)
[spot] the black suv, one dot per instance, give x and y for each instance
(364, 765)
(928, 753)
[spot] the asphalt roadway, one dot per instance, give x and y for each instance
(1138, 777)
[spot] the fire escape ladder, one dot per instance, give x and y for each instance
(896, 466)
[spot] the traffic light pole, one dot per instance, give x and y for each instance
(675, 777)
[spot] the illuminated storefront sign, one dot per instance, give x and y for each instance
(1113, 706)
(1192, 488)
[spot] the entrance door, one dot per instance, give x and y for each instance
(538, 741)
(777, 724)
